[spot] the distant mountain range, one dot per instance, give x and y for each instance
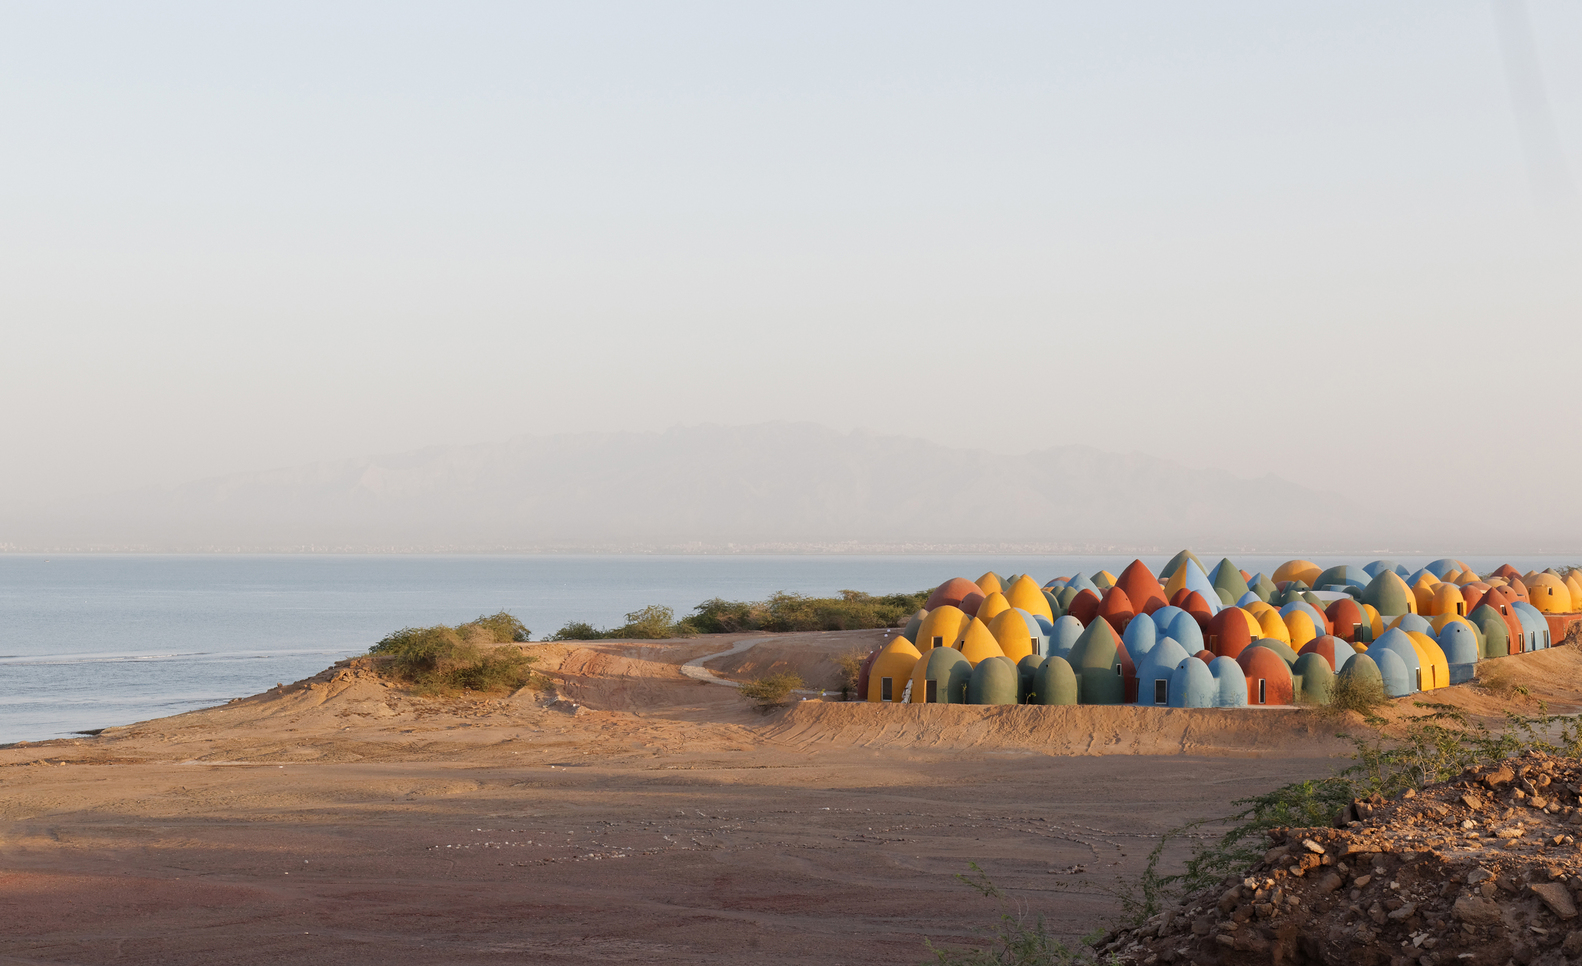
(767, 487)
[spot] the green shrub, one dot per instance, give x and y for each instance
(1355, 693)
(502, 628)
(771, 691)
(654, 622)
(444, 660)
(579, 631)
(852, 610)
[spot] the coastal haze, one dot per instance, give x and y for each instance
(785, 487)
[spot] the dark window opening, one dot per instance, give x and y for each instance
(1161, 691)
(886, 689)
(931, 692)
(1461, 608)
(1117, 670)
(1263, 694)
(939, 641)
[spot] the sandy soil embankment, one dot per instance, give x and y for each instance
(647, 817)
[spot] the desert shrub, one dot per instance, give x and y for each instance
(443, 660)
(850, 665)
(1017, 939)
(579, 631)
(1358, 694)
(771, 691)
(1428, 748)
(1497, 677)
(783, 611)
(654, 622)
(501, 628)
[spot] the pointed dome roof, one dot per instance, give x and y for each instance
(1169, 569)
(1389, 594)
(1142, 588)
(1027, 595)
(978, 644)
(993, 606)
(1227, 577)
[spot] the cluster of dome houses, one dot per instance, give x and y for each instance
(1201, 637)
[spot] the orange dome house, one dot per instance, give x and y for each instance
(1194, 604)
(952, 591)
(1434, 668)
(1268, 677)
(1349, 620)
(1227, 632)
(1116, 608)
(1084, 607)
(891, 671)
(1332, 649)
(1142, 588)
(990, 583)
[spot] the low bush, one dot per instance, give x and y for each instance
(1362, 695)
(771, 691)
(480, 656)
(852, 610)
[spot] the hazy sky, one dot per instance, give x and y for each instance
(1299, 237)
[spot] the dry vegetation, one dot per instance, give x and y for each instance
(480, 657)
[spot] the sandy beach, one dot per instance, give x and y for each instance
(642, 817)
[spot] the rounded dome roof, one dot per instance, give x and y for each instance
(1260, 663)
(1332, 649)
(1064, 634)
(1227, 632)
(1232, 682)
(1459, 642)
(1304, 570)
(1192, 685)
(1054, 683)
(952, 591)
(1550, 595)
(946, 622)
(1317, 679)
(995, 680)
(1169, 569)
(1273, 626)
(993, 606)
(1186, 630)
(1085, 606)
(1012, 634)
(1397, 677)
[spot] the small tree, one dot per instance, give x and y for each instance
(771, 691)
(850, 665)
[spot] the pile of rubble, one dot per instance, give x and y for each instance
(1480, 870)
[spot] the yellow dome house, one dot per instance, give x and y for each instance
(1550, 595)
(1027, 595)
(1273, 625)
(941, 627)
(993, 606)
(1431, 658)
(1447, 599)
(1011, 631)
(891, 671)
(977, 644)
(1304, 570)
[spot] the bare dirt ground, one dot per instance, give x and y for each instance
(646, 817)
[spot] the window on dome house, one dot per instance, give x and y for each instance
(1161, 691)
(931, 692)
(939, 641)
(1263, 693)
(887, 689)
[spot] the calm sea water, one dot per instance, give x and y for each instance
(89, 641)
